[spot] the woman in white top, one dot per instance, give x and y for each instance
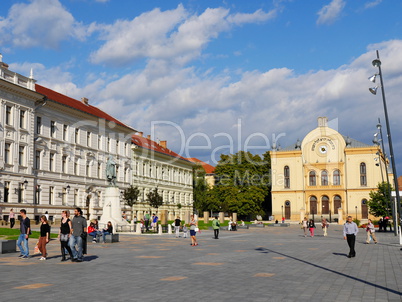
(304, 226)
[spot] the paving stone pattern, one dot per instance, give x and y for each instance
(269, 264)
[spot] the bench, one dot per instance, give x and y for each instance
(278, 224)
(110, 238)
(8, 246)
(256, 225)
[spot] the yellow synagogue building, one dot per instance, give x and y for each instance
(326, 175)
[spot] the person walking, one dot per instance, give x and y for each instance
(193, 227)
(324, 225)
(64, 235)
(370, 232)
(44, 237)
(79, 228)
(146, 219)
(25, 231)
(350, 231)
(304, 224)
(177, 223)
(215, 227)
(11, 216)
(311, 227)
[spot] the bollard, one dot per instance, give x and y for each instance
(159, 229)
(138, 228)
(169, 228)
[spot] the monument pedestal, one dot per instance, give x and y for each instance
(111, 209)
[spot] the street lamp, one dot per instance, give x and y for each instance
(282, 213)
(377, 63)
(384, 156)
(356, 212)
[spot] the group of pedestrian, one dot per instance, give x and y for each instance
(309, 226)
(177, 225)
(72, 235)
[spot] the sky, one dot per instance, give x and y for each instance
(220, 76)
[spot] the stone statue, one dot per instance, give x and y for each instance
(111, 171)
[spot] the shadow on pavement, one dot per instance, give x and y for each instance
(266, 251)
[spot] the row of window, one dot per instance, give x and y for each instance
(65, 131)
(88, 138)
(162, 173)
(336, 177)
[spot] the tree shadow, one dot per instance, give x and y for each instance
(266, 251)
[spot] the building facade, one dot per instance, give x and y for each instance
(54, 149)
(324, 175)
(157, 167)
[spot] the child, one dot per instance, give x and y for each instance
(185, 231)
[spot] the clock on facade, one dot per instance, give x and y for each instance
(323, 149)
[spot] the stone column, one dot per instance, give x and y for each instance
(302, 214)
(234, 216)
(221, 217)
(164, 217)
(186, 217)
(138, 228)
(340, 216)
(206, 217)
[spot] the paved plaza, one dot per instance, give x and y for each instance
(259, 264)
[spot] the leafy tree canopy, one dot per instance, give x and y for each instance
(130, 195)
(154, 198)
(379, 203)
(242, 184)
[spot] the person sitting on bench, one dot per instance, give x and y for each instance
(107, 231)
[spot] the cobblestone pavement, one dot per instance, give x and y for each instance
(267, 264)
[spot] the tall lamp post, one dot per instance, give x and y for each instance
(282, 214)
(384, 157)
(377, 63)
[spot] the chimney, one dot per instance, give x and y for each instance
(85, 101)
(163, 144)
(140, 134)
(149, 137)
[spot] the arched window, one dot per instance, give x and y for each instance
(312, 178)
(337, 178)
(363, 175)
(313, 205)
(325, 205)
(286, 173)
(337, 203)
(324, 178)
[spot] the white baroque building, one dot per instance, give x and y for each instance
(156, 166)
(54, 149)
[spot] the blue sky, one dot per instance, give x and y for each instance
(226, 73)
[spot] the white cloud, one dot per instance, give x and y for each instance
(329, 13)
(173, 35)
(39, 23)
(271, 102)
(371, 4)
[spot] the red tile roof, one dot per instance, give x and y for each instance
(149, 144)
(78, 105)
(207, 167)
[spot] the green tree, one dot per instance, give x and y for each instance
(200, 188)
(243, 184)
(379, 202)
(154, 199)
(130, 195)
